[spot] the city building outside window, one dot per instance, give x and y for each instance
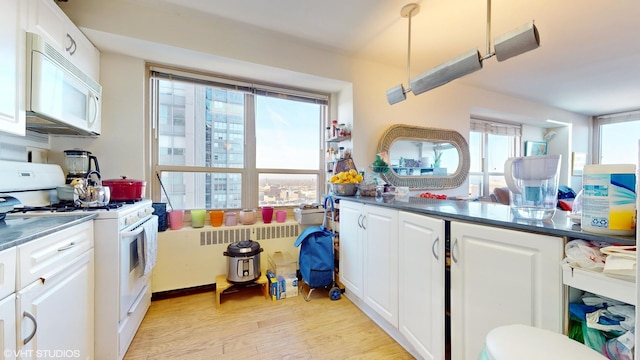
(227, 144)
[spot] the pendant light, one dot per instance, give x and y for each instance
(506, 46)
(399, 93)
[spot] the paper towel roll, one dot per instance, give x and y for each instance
(516, 42)
(451, 70)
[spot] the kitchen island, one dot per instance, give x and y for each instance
(438, 275)
(493, 214)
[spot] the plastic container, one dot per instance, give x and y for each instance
(283, 264)
(609, 199)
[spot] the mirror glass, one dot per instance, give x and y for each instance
(425, 158)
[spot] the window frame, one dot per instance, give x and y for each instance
(485, 128)
(250, 174)
(598, 121)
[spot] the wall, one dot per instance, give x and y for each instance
(243, 49)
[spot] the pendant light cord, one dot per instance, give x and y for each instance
(409, 55)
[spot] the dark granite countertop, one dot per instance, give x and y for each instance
(18, 229)
(495, 215)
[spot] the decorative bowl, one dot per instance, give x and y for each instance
(344, 189)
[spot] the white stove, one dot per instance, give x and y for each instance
(124, 249)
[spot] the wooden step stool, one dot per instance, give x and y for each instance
(222, 284)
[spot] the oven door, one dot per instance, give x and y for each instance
(132, 277)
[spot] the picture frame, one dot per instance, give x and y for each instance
(534, 148)
(578, 161)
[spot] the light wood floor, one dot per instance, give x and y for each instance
(247, 326)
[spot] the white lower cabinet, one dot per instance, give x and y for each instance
(421, 283)
(56, 315)
(381, 262)
(8, 327)
(500, 277)
(351, 247)
(55, 295)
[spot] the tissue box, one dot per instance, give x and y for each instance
(308, 216)
(283, 264)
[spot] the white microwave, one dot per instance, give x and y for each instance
(61, 98)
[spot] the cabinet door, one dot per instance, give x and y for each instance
(12, 64)
(501, 277)
(65, 298)
(8, 327)
(49, 21)
(351, 251)
(381, 262)
(421, 284)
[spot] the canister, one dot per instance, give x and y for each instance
(609, 199)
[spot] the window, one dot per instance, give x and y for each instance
(225, 144)
(490, 145)
(617, 138)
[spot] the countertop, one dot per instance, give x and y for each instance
(18, 229)
(493, 214)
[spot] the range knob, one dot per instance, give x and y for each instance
(131, 219)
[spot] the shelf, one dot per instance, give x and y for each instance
(600, 284)
(338, 139)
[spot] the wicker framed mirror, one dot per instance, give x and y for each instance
(425, 158)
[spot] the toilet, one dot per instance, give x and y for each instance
(530, 343)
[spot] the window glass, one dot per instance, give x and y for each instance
(619, 142)
(287, 134)
(209, 134)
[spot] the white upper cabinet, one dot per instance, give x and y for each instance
(49, 21)
(12, 64)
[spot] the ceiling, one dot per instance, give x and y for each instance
(588, 61)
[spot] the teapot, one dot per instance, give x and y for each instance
(90, 193)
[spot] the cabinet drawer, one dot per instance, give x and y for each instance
(7, 272)
(46, 256)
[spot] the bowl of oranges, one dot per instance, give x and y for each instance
(345, 183)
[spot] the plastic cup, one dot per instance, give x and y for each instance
(281, 216)
(176, 217)
(197, 218)
(216, 217)
(267, 214)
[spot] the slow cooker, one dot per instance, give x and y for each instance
(243, 261)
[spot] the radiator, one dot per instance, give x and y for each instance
(194, 257)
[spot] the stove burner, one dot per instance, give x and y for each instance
(67, 206)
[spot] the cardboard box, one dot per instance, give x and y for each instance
(283, 264)
(308, 216)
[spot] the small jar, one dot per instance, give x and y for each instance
(341, 152)
(230, 219)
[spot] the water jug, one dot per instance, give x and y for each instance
(533, 185)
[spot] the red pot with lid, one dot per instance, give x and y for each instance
(125, 189)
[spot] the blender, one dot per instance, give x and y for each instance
(533, 185)
(78, 164)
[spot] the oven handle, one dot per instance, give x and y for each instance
(132, 233)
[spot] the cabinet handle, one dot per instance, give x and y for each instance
(453, 247)
(72, 45)
(364, 218)
(35, 327)
(72, 244)
(360, 221)
(433, 248)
